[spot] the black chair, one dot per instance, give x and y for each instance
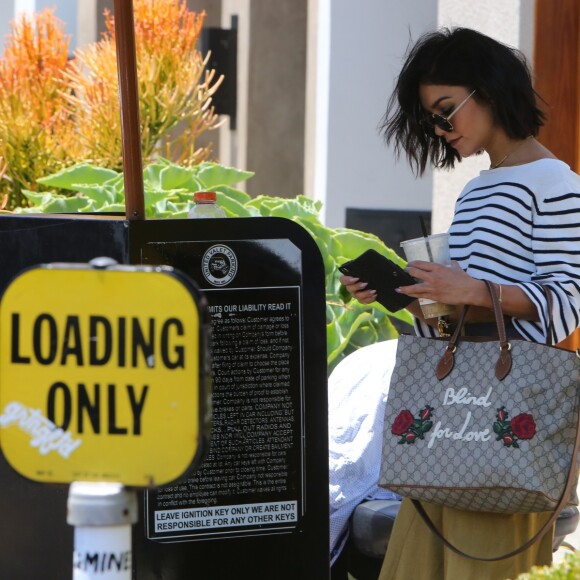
(372, 523)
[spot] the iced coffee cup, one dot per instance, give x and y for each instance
(434, 248)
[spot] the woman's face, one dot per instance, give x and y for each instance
(473, 126)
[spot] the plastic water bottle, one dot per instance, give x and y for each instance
(206, 206)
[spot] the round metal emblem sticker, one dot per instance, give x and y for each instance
(219, 265)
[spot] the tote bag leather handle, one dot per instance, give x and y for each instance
(504, 361)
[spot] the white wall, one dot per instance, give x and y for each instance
(359, 53)
(233, 148)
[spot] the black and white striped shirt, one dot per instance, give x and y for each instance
(521, 225)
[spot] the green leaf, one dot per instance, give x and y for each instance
(112, 208)
(36, 198)
(211, 175)
(49, 202)
(333, 336)
(151, 197)
(366, 334)
(233, 208)
(330, 313)
(402, 315)
(83, 173)
(354, 242)
(363, 317)
(176, 177)
(152, 175)
(264, 204)
(68, 205)
(288, 208)
(101, 194)
(229, 192)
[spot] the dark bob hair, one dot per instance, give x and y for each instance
(459, 57)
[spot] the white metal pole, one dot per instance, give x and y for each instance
(102, 514)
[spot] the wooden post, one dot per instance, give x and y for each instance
(129, 98)
(557, 80)
(557, 76)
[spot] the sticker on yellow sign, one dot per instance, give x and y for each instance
(101, 374)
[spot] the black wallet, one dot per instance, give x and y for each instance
(382, 275)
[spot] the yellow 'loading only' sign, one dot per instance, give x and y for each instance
(102, 374)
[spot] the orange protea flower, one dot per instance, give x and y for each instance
(157, 21)
(35, 57)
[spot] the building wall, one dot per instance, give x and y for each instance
(358, 57)
(90, 21)
(269, 136)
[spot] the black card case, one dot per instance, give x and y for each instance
(382, 275)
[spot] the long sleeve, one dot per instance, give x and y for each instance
(556, 250)
(521, 226)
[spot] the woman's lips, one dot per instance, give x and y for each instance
(453, 142)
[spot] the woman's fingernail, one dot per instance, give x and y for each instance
(362, 285)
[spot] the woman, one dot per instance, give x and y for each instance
(517, 224)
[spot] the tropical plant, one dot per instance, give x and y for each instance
(168, 191)
(56, 111)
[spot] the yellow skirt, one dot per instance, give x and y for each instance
(415, 553)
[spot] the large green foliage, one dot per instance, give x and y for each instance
(168, 193)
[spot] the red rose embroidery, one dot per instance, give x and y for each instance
(523, 426)
(410, 428)
(402, 423)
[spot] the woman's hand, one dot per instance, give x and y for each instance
(452, 285)
(447, 284)
(359, 289)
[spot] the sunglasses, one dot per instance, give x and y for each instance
(432, 120)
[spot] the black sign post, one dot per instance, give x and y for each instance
(257, 506)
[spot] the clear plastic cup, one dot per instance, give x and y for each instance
(433, 248)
